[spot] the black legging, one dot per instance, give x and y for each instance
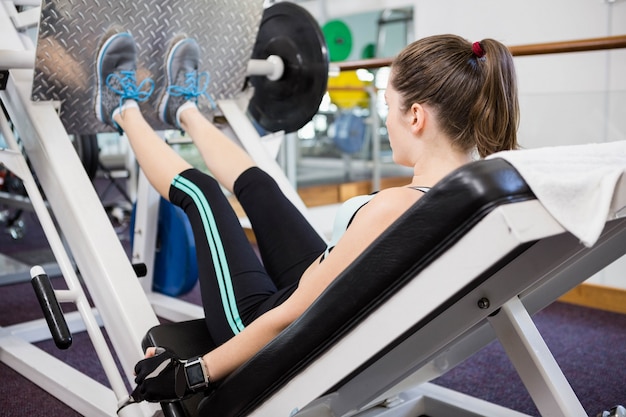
(236, 287)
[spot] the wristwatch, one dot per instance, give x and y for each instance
(196, 374)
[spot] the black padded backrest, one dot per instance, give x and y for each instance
(187, 339)
(425, 231)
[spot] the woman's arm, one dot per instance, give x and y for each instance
(226, 358)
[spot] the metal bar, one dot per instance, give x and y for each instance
(99, 255)
(36, 331)
(535, 365)
(17, 201)
(583, 45)
(375, 125)
(174, 309)
(273, 67)
(32, 3)
(28, 18)
(16, 59)
(18, 166)
(145, 229)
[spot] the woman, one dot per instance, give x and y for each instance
(448, 99)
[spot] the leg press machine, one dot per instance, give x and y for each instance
(470, 262)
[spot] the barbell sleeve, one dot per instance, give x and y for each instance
(272, 67)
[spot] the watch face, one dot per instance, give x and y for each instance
(195, 376)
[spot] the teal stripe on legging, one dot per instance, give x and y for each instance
(222, 270)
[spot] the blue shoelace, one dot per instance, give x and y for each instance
(129, 88)
(196, 84)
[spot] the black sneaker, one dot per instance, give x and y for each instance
(115, 73)
(184, 82)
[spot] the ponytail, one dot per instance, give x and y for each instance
(494, 116)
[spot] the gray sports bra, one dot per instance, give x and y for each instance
(346, 213)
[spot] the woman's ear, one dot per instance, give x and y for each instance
(418, 117)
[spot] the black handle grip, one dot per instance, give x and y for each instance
(141, 270)
(51, 308)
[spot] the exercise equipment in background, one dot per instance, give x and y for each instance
(347, 90)
(11, 215)
(368, 51)
(350, 132)
(339, 40)
(175, 264)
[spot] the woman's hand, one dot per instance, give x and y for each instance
(150, 352)
(161, 377)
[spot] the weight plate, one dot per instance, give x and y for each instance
(369, 51)
(175, 269)
(290, 32)
(175, 263)
(339, 40)
(346, 90)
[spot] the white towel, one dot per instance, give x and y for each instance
(574, 183)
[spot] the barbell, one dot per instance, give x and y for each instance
(288, 69)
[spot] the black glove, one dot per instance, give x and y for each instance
(161, 378)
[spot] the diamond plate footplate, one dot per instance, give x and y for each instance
(70, 32)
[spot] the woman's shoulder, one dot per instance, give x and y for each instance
(399, 194)
(394, 199)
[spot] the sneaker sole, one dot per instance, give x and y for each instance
(98, 104)
(176, 42)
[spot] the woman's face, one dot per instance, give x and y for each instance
(398, 126)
